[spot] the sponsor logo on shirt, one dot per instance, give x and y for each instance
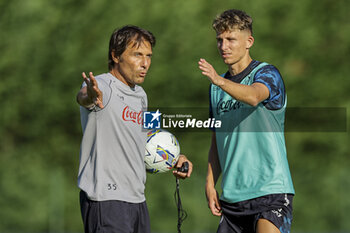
(226, 106)
(130, 115)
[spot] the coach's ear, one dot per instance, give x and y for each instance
(115, 58)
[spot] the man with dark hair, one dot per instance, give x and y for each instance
(112, 172)
(249, 149)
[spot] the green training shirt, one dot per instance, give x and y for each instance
(251, 146)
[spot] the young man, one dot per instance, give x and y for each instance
(249, 149)
(112, 172)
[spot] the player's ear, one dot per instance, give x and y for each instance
(250, 41)
(116, 59)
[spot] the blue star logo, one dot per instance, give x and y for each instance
(151, 120)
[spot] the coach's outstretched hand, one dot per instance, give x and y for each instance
(182, 175)
(90, 95)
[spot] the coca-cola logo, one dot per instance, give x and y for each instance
(226, 106)
(130, 115)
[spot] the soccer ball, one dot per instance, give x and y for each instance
(162, 151)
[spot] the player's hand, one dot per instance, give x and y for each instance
(209, 71)
(180, 161)
(93, 92)
(213, 201)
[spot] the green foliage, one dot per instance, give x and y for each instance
(45, 45)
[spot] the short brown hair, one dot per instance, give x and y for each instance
(123, 36)
(233, 19)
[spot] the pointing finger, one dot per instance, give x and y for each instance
(86, 80)
(92, 79)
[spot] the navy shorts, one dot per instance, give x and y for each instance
(114, 216)
(242, 217)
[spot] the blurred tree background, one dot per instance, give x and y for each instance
(45, 45)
